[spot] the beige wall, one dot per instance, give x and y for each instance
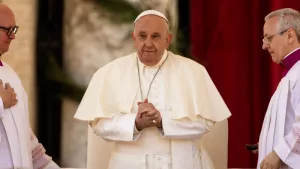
(21, 54)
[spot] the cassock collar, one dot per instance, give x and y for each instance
(289, 61)
(142, 65)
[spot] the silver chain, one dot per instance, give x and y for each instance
(137, 63)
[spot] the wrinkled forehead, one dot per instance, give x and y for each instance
(150, 24)
(271, 26)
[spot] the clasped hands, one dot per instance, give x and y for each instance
(147, 116)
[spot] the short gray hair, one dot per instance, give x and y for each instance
(288, 18)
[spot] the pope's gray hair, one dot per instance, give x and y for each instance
(288, 18)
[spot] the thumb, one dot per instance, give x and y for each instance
(146, 100)
(7, 86)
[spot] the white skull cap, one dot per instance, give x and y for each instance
(151, 12)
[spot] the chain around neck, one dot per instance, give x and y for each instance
(140, 85)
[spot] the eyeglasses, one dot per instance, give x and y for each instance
(268, 39)
(10, 30)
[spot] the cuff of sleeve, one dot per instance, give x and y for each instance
(136, 130)
(1, 109)
(136, 133)
(162, 132)
(286, 155)
(166, 125)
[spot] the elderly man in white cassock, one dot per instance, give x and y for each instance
(279, 142)
(19, 147)
(153, 104)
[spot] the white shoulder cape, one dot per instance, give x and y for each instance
(189, 88)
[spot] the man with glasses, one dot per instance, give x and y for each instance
(279, 142)
(19, 147)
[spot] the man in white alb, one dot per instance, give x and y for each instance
(153, 104)
(279, 142)
(19, 147)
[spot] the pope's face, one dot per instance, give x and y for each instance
(151, 38)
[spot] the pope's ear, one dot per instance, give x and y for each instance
(169, 39)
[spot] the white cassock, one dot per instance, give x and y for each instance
(182, 91)
(19, 147)
(281, 127)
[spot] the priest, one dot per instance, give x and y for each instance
(19, 147)
(279, 142)
(153, 104)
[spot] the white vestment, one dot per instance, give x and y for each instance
(281, 127)
(19, 148)
(173, 147)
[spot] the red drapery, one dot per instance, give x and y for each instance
(226, 38)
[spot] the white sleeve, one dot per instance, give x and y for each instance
(184, 128)
(1, 109)
(39, 157)
(119, 128)
(288, 149)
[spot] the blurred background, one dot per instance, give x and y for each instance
(61, 43)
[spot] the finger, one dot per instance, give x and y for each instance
(262, 164)
(142, 104)
(1, 83)
(146, 109)
(142, 114)
(149, 111)
(146, 100)
(139, 114)
(138, 103)
(148, 105)
(151, 123)
(265, 165)
(154, 112)
(159, 119)
(7, 86)
(151, 105)
(151, 118)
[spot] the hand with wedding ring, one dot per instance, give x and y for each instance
(8, 95)
(147, 116)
